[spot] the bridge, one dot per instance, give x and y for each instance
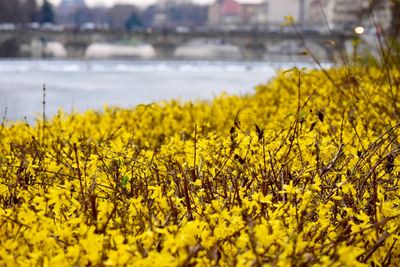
(252, 44)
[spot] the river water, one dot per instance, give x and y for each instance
(81, 85)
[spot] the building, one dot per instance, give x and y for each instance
(230, 13)
(172, 13)
(320, 12)
(346, 15)
(70, 12)
(224, 13)
(68, 6)
(382, 14)
(316, 12)
(255, 14)
(279, 9)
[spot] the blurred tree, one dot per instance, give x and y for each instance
(46, 13)
(9, 11)
(18, 11)
(29, 9)
(81, 16)
(148, 15)
(9, 48)
(119, 14)
(133, 21)
(76, 17)
(190, 15)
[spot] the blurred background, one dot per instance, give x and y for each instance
(183, 28)
(96, 52)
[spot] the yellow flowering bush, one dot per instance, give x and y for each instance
(304, 172)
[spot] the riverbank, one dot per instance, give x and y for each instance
(301, 172)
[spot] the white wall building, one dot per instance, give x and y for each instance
(382, 14)
(346, 14)
(278, 9)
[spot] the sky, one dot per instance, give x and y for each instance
(141, 2)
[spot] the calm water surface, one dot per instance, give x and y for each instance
(82, 85)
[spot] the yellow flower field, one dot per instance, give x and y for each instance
(304, 172)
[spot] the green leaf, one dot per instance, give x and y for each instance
(124, 181)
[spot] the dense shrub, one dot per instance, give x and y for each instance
(302, 172)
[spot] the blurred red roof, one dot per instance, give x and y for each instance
(230, 7)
